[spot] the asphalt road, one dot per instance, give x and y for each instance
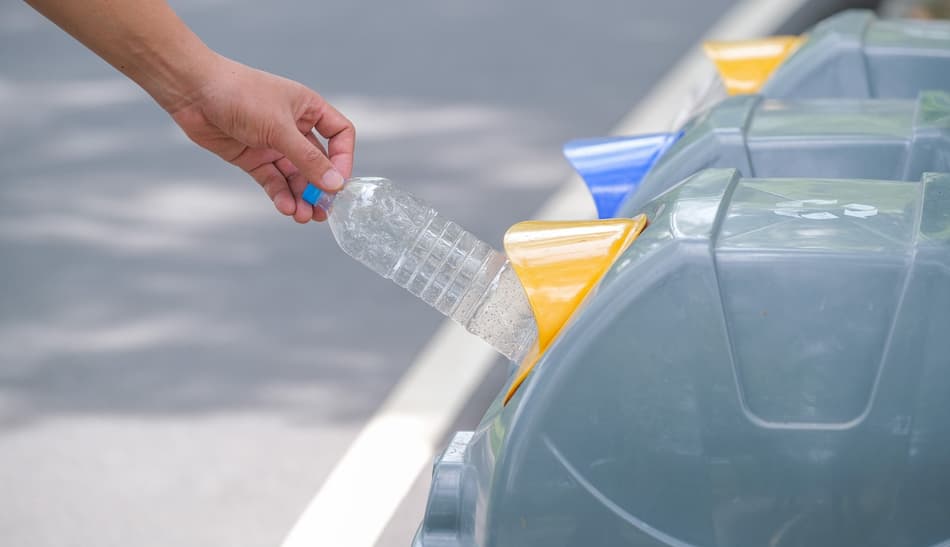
(179, 365)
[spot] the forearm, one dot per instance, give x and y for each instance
(144, 39)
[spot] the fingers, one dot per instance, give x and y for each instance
(341, 137)
(252, 158)
(297, 182)
(312, 137)
(309, 159)
(275, 185)
(319, 214)
(285, 187)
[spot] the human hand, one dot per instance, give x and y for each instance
(264, 124)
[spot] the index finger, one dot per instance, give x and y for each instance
(341, 138)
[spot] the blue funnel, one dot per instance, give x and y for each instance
(613, 167)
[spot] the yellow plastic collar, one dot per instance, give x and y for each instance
(558, 263)
(745, 65)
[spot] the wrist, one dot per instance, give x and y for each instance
(174, 74)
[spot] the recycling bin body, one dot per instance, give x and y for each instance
(767, 364)
(854, 54)
(852, 138)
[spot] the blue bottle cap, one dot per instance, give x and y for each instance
(311, 194)
(612, 167)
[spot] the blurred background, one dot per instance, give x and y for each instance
(179, 364)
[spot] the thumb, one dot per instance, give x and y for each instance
(308, 159)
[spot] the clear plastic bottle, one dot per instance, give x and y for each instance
(404, 239)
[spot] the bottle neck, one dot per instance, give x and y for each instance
(318, 198)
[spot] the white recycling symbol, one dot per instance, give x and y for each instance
(823, 209)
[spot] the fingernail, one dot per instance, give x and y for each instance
(332, 180)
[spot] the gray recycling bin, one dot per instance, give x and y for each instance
(850, 55)
(767, 365)
(847, 138)
(854, 54)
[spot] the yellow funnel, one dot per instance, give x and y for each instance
(745, 65)
(559, 263)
